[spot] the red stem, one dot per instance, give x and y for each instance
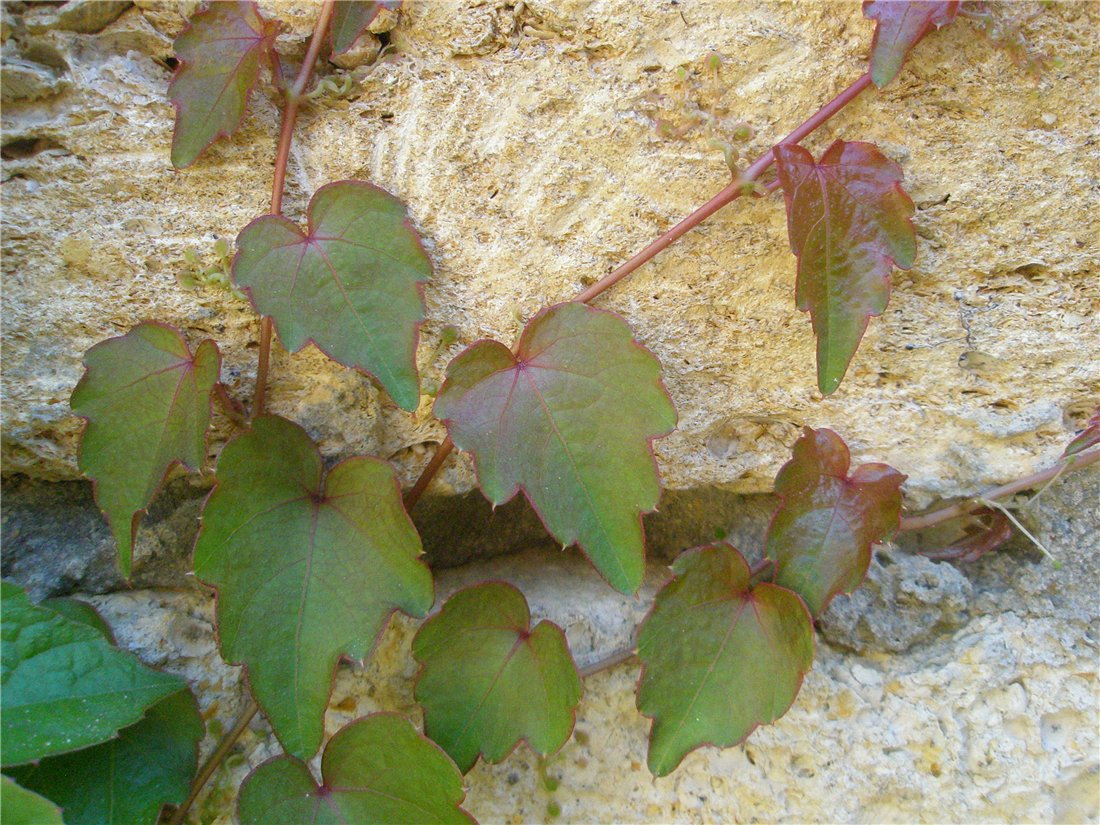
(728, 194)
(294, 97)
(1067, 465)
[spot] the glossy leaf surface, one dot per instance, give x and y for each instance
(309, 566)
(147, 403)
(19, 806)
(64, 686)
(350, 19)
(220, 56)
(821, 535)
(489, 680)
(849, 223)
(351, 285)
(900, 26)
(719, 656)
(375, 770)
(129, 779)
(568, 420)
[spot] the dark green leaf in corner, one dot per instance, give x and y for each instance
(18, 806)
(376, 770)
(719, 656)
(849, 223)
(64, 686)
(127, 780)
(821, 535)
(568, 419)
(308, 565)
(351, 286)
(220, 54)
(147, 402)
(350, 19)
(489, 680)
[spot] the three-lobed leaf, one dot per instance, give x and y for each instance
(720, 656)
(19, 806)
(351, 18)
(65, 687)
(129, 779)
(900, 26)
(351, 285)
(220, 55)
(488, 679)
(375, 770)
(308, 566)
(821, 535)
(568, 419)
(849, 223)
(147, 402)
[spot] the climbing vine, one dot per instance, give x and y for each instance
(309, 562)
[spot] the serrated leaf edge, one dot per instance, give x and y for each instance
(324, 747)
(406, 223)
(342, 657)
(522, 488)
(265, 57)
(752, 730)
(523, 740)
(140, 514)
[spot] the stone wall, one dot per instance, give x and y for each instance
(524, 138)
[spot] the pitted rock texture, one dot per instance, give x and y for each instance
(524, 138)
(988, 717)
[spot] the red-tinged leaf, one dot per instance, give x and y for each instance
(308, 565)
(220, 54)
(821, 535)
(900, 26)
(147, 402)
(350, 19)
(375, 770)
(719, 656)
(1088, 437)
(568, 419)
(488, 680)
(988, 536)
(351, 286)
(849, 223)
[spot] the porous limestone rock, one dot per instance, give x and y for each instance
(990, 717)
(524, 138)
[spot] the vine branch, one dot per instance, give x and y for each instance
(739, 186)
(294, 96)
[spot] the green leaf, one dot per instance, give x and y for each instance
(64, 686)
(78, 611)
(350, 19)
(375, 770)
(900, 26)
(129, 779)
(308, 568)
(719, 656)
(849, 223)
(220, 54)
(568, 419)
(488, 680)
(1088, 437)
(821, 535)
(18, 806)
(147, 402)
(351, 286)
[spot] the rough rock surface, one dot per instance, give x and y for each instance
(523, 138)
(991, 717)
